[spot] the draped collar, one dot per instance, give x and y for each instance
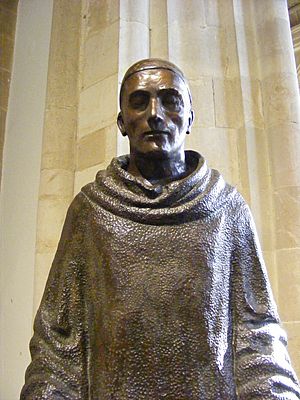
(197, 195)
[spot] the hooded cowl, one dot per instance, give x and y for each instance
(158, 292)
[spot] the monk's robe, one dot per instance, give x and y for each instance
(159, 292)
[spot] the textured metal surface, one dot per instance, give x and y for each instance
(158, 292)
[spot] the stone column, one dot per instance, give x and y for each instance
(293, 328)
(20, 185)
(60, 124)
(254, 165)
(159, 46)
(282, 123)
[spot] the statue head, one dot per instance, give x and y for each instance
(156, 108)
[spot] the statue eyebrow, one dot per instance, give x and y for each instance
(161, 92)
(170, 90)
(138, 92)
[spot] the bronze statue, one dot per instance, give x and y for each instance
(158, 289)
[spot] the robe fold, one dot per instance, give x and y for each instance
(158, 292)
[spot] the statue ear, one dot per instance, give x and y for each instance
(120, 123)
(191, 120)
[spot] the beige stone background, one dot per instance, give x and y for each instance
(238, 56)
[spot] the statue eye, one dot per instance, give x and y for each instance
(171, 101)
(139, 100)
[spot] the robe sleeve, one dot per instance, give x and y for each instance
(261, 363)
(58, 367)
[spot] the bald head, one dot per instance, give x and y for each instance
(153, 63)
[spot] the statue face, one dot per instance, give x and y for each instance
(155, 112)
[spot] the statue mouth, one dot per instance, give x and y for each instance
(155, 133)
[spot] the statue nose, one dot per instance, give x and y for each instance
(155, 120)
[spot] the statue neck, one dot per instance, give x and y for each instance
(158, 170)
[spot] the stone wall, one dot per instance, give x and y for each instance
(8, 17)
(108, 47)
(98, 88)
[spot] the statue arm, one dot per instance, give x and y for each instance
(262, 366)
(58, 370)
